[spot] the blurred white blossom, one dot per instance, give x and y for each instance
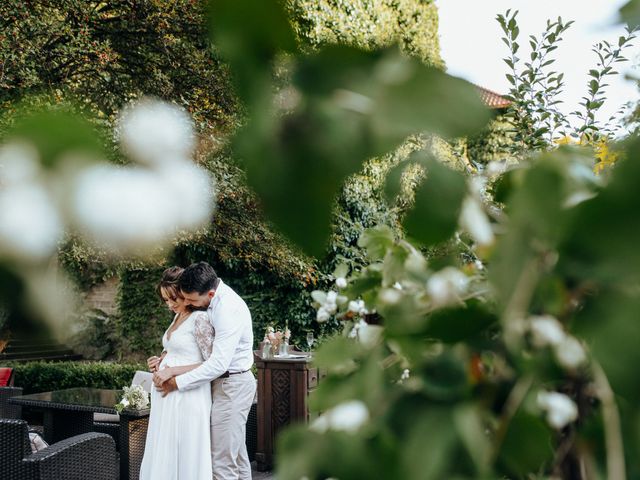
(546, 330)
(30, 226)
(475, 221)
(322, 315)
(369, 335)
(405, 374)
(155, 132)
(560, 409)
(348, 417)
(18, 163)
(570, 353)
(341, 282)
(123, 208)
(446, 286)
(192, 189)
(390, 296)
(357, 307)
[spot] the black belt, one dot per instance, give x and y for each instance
(227, 374)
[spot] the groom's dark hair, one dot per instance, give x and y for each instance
(198, 277)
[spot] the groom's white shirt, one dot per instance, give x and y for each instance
(233, 342)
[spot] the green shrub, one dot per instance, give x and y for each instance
(42, 376)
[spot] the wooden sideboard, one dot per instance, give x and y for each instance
(283, 390)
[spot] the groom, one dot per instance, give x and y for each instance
(229, 366)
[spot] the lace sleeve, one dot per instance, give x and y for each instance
(204, 334)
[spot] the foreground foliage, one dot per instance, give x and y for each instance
(512, 355)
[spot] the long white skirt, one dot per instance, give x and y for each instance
(178, 445)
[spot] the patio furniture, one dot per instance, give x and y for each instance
(284, 385)
(251, 437)
(70, 412)
(110, 422)
(6, 377)
(88, 456)
(9, 410)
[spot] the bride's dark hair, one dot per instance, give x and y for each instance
(168, 286)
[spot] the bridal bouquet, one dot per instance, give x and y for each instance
(133, 398)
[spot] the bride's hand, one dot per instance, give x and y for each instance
(153, 363)
(161, 376)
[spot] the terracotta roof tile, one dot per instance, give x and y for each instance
(492, 99)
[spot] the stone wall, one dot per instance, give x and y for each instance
(104, 296)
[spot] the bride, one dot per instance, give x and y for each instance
(178, 445)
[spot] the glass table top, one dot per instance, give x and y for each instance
(87, 399)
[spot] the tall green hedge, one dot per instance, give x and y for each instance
(35, 377)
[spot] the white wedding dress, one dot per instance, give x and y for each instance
(178, 445)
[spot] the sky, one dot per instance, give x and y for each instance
(471, 46)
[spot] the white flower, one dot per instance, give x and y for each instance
(357, 307)
(348, 417)
(475, 221)
(341, 282)
(192, 189)
(124, 208)
(124, 402)
(546, 330)
(570, 353)
(445, 286)
(560, 409)
(332, 296)
(368, 335)
(322, 315)
(479, 265)
(18, 163)
(390, 296)
(30, 226)
(156, 133)
(405, 374)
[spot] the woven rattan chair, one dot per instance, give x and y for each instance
(87, 456)
(8, 410)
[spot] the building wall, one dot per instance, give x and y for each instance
(104, 296)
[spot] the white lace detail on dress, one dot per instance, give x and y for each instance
(204, 334)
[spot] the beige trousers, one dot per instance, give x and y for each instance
(232, 399)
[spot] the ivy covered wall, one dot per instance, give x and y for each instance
(412, 24)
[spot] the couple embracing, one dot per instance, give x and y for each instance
(204, 386)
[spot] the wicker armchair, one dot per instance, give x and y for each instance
(8, 410)
(90, 456)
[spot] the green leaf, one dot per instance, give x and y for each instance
(359, 104)
(434, 217)
(376, 241)
(527, 445)
(454, 325)
(471, 429)
(445, 378)
(249, 33)
(430, 446)
(56, 133)
(341, 270)
(336, 353)
(630, 13)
